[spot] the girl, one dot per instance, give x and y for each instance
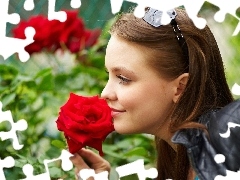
(164, 80)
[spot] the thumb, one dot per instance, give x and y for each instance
(94, 161)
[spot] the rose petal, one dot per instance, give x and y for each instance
(85, 121)
(73, 146)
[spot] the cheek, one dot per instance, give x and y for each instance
(136, 98)
(152, 99)
(128, 101)
(145, 96)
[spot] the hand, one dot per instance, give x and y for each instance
(86, 159)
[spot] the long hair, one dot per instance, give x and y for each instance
(206, 88)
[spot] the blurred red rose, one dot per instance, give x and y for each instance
(43, 37)
(74, 35)
(51, 35)
(85, 121)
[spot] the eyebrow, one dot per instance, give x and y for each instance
(122, 69)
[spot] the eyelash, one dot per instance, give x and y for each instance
(123, 80)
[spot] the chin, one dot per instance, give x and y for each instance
(124, 130)
(121, 129)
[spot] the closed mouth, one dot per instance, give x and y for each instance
(116, 112)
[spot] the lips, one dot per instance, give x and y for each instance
(116, 112)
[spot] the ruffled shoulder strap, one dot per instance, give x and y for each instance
(224, 134)
(223, 139)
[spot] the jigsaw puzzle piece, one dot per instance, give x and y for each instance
(28, 171)
(6, 46)
(52, 14)
(192, 9)
(29, 5)
(13, 18)
(237, 30)
(230, 8)
(5, 17)
(230, 176)
(75, 3)
(65, 161)
(116, 5)
(20, 125)
(220, 158)
(7, 162)
(84, 174)
(164, 6)
(66, 165)
(137, 167)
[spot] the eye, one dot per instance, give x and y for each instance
(123, 80)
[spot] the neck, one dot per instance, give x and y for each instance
(166, 135)
(174, 146)
(191, 174)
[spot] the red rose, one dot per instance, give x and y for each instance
(44, 38)
(89, 38)
(73, 27)
(74, 35)
(51, 35)
(85, 121)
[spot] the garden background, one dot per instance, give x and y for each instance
(35, 90)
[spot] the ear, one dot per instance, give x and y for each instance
(180, 85)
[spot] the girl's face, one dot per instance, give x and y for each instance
(140, 99)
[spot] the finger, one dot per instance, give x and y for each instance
(79, 163)
(94, 160)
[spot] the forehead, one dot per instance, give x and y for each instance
(120, 52)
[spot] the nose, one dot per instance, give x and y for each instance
(108, 92)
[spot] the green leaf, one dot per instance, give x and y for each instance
(22, 157)
(43, 73)
(60, 79)
(109, 151)
(126, 143)
(59, 144)
(113, 154)
(46, 83)
(20, 163)
(7, 72)
(8, 99)
(138, 151)
(55, 172)
(23, 78)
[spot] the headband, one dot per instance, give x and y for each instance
(154, 17)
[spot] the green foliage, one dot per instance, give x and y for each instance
(229, 45)
(35, 91)
(233, 64)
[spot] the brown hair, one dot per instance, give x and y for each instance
(206, 88)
